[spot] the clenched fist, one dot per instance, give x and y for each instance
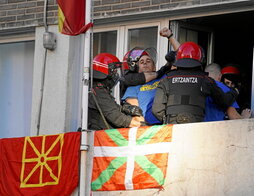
(165, 32)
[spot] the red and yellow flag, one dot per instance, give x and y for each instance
(71, 17)
(43, 165)
(129, 159)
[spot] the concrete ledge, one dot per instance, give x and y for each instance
(215, 158)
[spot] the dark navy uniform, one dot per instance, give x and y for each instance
(180, 97)
(110, 109)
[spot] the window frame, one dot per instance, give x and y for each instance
(107, 29)
(30, 37)
(122, 32)
(121, 44)
(17, 38)
(138, 26)
(210, 45)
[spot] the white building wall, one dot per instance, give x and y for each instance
(61, 96)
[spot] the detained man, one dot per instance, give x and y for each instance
(143, 95)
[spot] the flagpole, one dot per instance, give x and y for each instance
(86, 40)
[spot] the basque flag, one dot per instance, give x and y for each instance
(131, 158)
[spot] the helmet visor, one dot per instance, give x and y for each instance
(133, 58)
(115, 68)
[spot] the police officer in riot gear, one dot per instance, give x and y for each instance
(180, 97)
(103, 111)
(230, 76)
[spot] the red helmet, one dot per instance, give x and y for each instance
(230, 70)
(231, 73)
(104, 65)
(189, 54)
(131, 58)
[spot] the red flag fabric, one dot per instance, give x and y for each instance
(71, 17)
(43, 165)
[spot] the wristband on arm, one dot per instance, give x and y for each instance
(170, 36)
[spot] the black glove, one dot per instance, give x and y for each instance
(163, 70)
(131, 110)
(170, 57)
(133, 79)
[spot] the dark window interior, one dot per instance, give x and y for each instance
(233, 44)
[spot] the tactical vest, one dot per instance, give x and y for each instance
(95, 120)
(183, 90)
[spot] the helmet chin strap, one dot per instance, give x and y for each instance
(115, 79)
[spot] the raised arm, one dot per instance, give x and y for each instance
(166, 32)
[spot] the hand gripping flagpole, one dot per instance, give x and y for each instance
(86, 38)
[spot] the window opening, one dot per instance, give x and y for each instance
(143, 37)
(104, 42)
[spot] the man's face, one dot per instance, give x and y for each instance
(229, 83)
(146, 64)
